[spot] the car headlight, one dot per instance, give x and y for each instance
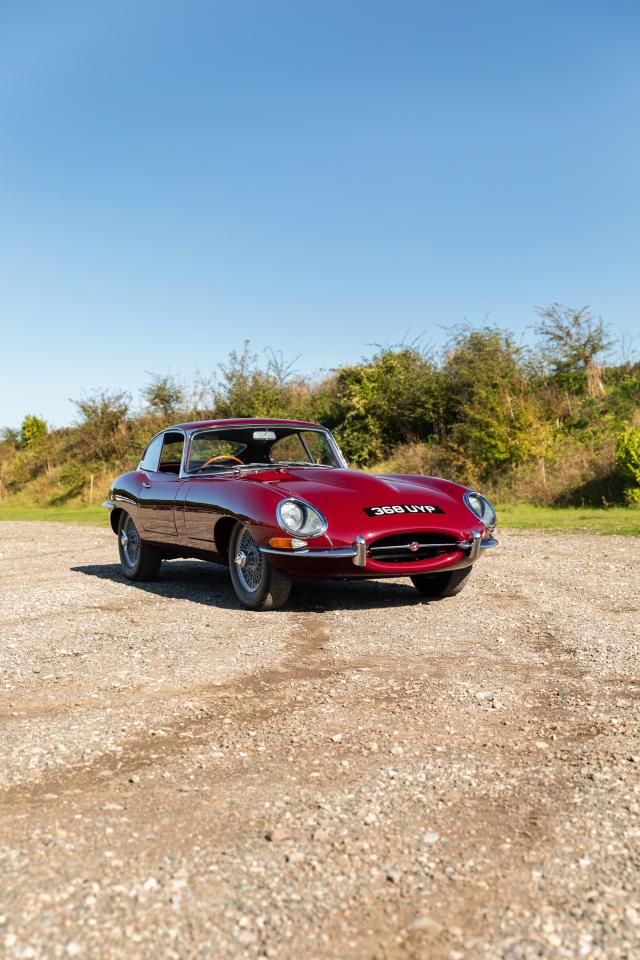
(300, 518)
(481, 508)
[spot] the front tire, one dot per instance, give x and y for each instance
(257, 584)
(436, 586)
(138, 560)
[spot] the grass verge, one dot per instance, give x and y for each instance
(80, 513)
(528, 516)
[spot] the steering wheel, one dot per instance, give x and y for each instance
(222, 456)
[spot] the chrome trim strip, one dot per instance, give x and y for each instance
(119, 496)
(422, 546)
(311, 554)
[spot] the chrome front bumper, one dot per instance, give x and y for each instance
(358, 552)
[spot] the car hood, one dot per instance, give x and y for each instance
(343, 496)
(319, 483)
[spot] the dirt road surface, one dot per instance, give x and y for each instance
(361, 775)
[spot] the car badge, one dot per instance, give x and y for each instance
(414, 546)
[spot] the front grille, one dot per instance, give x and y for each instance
(396, 549)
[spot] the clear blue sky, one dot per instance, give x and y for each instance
(176, 177)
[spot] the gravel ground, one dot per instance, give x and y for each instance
(361, 775)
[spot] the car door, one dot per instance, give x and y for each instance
(204, 499)
(161, 468)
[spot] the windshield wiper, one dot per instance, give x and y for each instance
(304, 463)
(237, 467)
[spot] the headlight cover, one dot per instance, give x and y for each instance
(300, 518)
(481, 508)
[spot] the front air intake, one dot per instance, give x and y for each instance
(412, 547)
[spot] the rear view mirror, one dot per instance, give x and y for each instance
(264, 435)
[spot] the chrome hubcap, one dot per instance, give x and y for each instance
(130, 543)
(248, 561)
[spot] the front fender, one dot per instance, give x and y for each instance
(212, 507)
(124, 497)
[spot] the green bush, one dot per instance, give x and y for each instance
(628, 462)
(32, 429)
(493, 415)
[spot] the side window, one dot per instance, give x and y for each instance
(151, 457)
(171, 455)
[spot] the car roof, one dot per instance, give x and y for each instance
(242, 422)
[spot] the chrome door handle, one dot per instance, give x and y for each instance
(146, 485)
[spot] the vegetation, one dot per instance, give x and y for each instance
(84, 513)
(557, 425)
(628, 462)
(32, 429)
(528, 516)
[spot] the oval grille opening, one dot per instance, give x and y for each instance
(412, 547)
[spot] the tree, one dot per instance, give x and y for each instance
(244, 388)
(396, 397)
(572, 341)
(493, 419)
(103, 423)
(163, 394)
(10, 436)
(32, 429)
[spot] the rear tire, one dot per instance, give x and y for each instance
(436, 586)
(138, 560)
(258, 585)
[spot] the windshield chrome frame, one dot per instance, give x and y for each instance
(192, 474)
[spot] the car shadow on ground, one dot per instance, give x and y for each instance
(206, 583)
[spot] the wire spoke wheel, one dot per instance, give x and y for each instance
(130, 540)
(257, 583)
(139, 560)
(249, 562)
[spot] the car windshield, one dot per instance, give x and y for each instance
(260, 447)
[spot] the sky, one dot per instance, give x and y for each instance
(178, 177)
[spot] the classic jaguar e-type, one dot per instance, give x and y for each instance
(275, 500)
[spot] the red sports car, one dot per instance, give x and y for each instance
(275, 500)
